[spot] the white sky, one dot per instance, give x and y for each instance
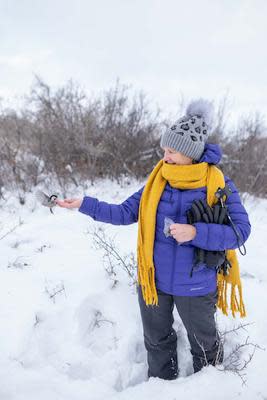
(167, 48)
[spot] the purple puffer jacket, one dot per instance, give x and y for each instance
(173, 262)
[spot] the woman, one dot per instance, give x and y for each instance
(186, 173)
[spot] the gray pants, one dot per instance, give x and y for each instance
(197, 315)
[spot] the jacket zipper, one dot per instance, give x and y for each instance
(176, 244)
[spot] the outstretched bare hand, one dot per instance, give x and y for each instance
(69, 203)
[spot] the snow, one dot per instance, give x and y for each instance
(68, 333)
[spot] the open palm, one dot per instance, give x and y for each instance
(69, 203)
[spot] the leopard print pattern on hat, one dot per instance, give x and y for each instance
(193, 127)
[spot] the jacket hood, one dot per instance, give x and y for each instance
(212, 154)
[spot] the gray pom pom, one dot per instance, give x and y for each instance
(202, 108)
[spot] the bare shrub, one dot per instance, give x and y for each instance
(130, 133)
(112, 259)
(65, 134)
(245, 158)
(77, 138)
(20, 169)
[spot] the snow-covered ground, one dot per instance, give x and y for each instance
(67, 333)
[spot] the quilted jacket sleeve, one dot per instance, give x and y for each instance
(223, 237)
(117, 214)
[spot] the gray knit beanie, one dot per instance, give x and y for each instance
(189, 133)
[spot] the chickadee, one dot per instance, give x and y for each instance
(47, 201)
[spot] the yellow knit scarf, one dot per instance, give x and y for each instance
(191, 176)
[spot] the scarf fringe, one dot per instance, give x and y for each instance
(146, 278)
(236, 299)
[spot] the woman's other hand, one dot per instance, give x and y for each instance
(69, 203)
(182, 232)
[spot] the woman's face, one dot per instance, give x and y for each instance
(172, 156)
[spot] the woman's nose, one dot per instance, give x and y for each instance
(166, 157)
